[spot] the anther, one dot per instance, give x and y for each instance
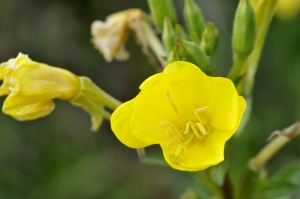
(164, 124)
(187, 127)
(202, 120)
(195, 131)
(198, 110)
(172, 103)
(201, 128)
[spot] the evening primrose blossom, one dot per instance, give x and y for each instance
(190, 115)
(32, 86)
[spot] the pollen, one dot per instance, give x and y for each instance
(186, 133)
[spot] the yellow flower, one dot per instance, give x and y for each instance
(31, 86)
(190, 115)
(287, 9)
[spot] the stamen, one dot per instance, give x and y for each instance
(201, 128)
(164, 124)
(172, 103)
(202, 121)
(195, 131)
(171, 140)
(169, 129)
(189, 140)
(177, 132)
(187, 127)
(198, 110)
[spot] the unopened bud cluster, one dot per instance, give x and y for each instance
(197, 45)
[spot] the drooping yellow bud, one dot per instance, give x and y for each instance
(31, 86)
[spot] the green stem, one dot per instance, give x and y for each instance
(154, 43)
(141, 153)
(264, 12)
(274, 146)
(235, 71)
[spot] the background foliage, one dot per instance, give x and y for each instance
(58, 157)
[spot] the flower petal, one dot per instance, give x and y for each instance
(30, 111)
(144, 123)
(205, 153)
(163, 90)
(188, 72)
(223, 104)
(121, 126)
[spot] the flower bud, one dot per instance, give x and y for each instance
(32, 86)
(180, 32)
(210, 38)
(191, 52)
(193, 18)
(243, 29)
(161, 9)
(168, 35)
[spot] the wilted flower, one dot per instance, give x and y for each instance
(189, 114)
(32, 86)
(109, 37)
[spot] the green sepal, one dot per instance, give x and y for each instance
(193, 18)
(210, 39)
(161, 9)
(243, 36)
(168, 35)
(191, 52)
(92, 99)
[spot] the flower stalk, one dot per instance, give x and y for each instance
(283, 137)
(154, 43)
(264, 12)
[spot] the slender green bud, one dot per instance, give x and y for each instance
(174, 55)
(191, 52)
(161, 9)
(195, 38)
(168, 35)
(244, 29)
(180, 32)
(210, 38)
(193, 18)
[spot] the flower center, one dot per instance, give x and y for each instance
(184, 133)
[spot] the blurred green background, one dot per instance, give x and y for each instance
(58, 157)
